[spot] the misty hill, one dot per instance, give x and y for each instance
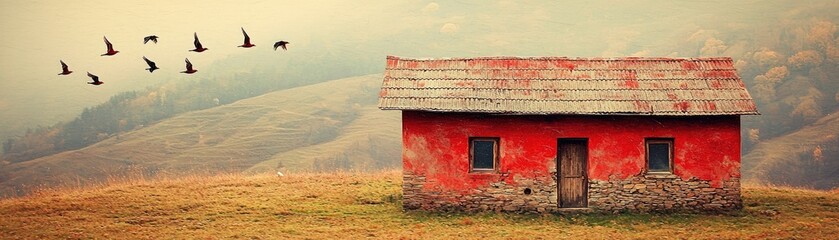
(808, 157)
(316, 127)
(225, 81)
(363, 206)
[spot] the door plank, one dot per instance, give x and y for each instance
(573, 183)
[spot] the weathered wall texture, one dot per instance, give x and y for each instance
(435, 160)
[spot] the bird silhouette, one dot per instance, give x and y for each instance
(95, 79)
(111, 50)
(151, 64)
(189, 69)
(198, 47)
(152, 38)
(64, 69)
(247, 43)
(280, 44)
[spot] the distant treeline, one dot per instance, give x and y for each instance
(792, 75)
(130, 110)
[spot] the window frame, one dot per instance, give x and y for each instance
(496, 149)
(670, 142)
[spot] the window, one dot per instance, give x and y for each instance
(483, 154)
(660, 155)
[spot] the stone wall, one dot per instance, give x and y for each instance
(528, 195)
(664, 192)
(635, 194)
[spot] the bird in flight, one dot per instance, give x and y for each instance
(151, 64)
(247, 43)
(189, 69)
(152, 38)
(111, 51)
(280, 44)
(198, 47)
(64, 69)
(95, 79)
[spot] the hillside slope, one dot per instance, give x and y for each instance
(808, 157)
(364, 206)
(322, 122)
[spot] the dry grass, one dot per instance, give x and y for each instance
(352, 206)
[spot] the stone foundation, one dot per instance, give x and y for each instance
(664, 193)
(635, 194)
(497, 196)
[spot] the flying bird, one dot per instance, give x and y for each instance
(189, 69)
(111, 51)
(95, 79)
(280, 44)
(152, 38)
(151, 64)
(198, 47)
(247, 43)
(64, 69)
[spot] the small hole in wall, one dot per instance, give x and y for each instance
(527, 191)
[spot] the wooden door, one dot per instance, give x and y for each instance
(571, 175)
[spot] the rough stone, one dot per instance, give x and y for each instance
(635, 194)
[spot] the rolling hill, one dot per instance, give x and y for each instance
(315, 127)
(792, 159)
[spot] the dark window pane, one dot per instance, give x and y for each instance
(483, 154)
(659, 157)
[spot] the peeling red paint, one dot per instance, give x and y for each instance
(658, 75)
(411, 64)
(436, 146)
(527, 74)
(523, 83)
(711, 106)
(631, 84)
(682, 106)
(671, 95)
(690, 65)
(391, 62)
(715, 84)
(564, 64)
(584, 76)
(719, 74)
(465, 83)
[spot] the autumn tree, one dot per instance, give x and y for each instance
(765, 84)
(808, 106)
(754, 135)
(805, 59)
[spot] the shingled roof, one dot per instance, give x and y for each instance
(559, 85)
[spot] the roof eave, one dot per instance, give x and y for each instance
(574, 113)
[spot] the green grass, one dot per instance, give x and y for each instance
(352, 206)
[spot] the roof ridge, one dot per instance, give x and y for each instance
(626, 58)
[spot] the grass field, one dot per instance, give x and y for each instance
(353, 206)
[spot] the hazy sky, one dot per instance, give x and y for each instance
(37, 34)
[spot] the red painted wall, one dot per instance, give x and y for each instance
(436, 145)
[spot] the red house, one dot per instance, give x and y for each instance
(543, 134)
